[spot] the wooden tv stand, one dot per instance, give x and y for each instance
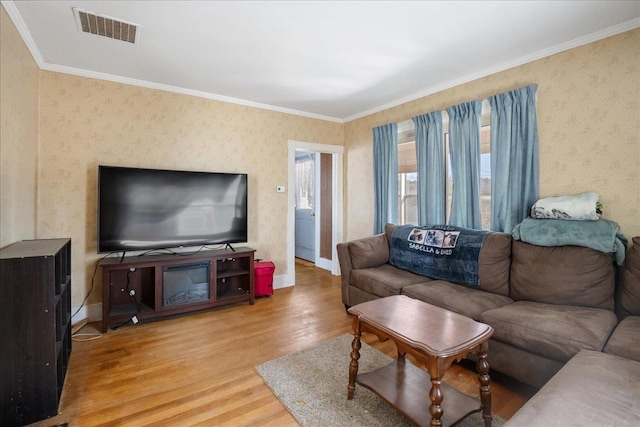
(134, 285)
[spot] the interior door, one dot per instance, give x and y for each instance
(305, 214)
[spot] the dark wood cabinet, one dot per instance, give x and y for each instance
(146, 287)
(35, 311)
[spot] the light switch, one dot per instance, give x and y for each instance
(280, 188)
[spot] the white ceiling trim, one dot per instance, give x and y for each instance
(183, 91)
(611, 31)
(26, 36)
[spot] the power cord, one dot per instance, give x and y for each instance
(85, 337)
(121, 324)
(95, 271)
(75, 336)
(136, 303)
(132, 294)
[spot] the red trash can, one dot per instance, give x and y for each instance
(263, 274)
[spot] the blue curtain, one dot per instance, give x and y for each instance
(385, 176)
(464, 146)
(514, 157)
(431, 168)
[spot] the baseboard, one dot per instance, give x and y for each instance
(324, 263)
(76, 327)
(92, 313)
(283, 281)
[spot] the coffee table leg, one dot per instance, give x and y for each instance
(355, 355)
(436, 396)
(485, 384)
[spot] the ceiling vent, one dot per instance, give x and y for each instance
(106, 26)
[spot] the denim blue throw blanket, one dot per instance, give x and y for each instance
(438, 251)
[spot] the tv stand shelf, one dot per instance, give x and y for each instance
(151, 286)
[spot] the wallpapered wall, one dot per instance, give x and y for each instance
(589, 126)
(87, 122)
(18, 135)
(588, 104)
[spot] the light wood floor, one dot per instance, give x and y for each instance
(198, 369)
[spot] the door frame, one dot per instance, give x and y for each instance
(337, 152)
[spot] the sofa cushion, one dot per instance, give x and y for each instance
(495, 263)
(384, 280)
(554, 331)
(624, 340)
(569, 275)
(630, 295)
(369, 252)
(464, 300)
(592, 389)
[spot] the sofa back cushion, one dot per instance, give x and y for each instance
(566, 275)
(630, 293)
(495, 263)
(369, 251)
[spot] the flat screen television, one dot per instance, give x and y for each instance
(145, 209)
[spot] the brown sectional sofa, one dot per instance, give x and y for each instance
(546, 304)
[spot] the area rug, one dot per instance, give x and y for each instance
(312, 385)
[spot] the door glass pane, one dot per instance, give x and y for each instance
(304, 182)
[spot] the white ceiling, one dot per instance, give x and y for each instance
(334, 60)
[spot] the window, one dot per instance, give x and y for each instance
(408, 171)
(407, 176)
(485, 175)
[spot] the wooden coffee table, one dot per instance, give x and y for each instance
(435, 337)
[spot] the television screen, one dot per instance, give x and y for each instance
(143, 209)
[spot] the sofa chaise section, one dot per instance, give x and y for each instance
(592, 389)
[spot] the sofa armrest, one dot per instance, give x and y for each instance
(367, 252)
(345, 270)
(623, 341)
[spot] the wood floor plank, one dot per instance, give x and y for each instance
(197, 369)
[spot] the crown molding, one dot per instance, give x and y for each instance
(26, 36)
(184, 91)
(590, 38)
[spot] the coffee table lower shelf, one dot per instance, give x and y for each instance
(406, 388)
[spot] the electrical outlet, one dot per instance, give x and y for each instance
(132, 269)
